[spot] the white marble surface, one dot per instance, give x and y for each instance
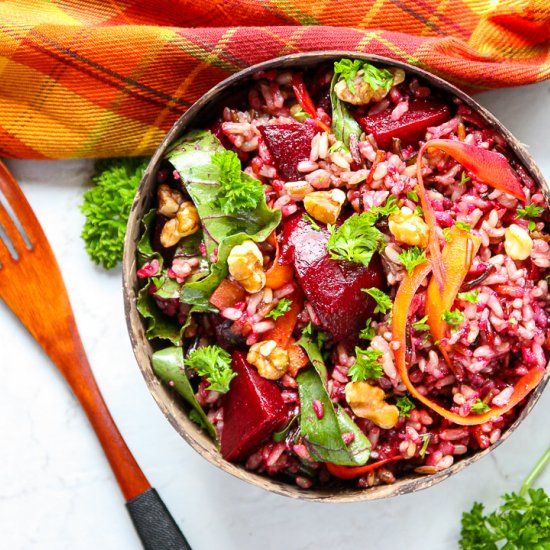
(56, 489)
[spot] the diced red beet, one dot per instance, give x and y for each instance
(332, 287)
(289, 144)
(410, 127)
(252, 410)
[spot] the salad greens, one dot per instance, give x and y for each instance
(214, 363)
(343, 124)
(412, 258)
(192, 156)
(366, 366)
(383, 301)
(348, 69)
(237, 191)
(169, 367)
(323, 436)
(280, 309)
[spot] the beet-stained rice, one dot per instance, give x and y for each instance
(494, 330)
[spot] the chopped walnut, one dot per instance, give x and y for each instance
(245, 263)
(408, 228)
(169, 200)
(186, 222)
(367, 401)
(271, 361)
(325, 206)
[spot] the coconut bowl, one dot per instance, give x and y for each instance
(174, 408)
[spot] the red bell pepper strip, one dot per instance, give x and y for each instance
(456, 260)
(297, 359)
(489, 167)
(401, 306)
(349, 472)
(278, 274)
(304, 99)
(227, 294)
(284, 325)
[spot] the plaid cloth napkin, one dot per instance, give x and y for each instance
(95, 78)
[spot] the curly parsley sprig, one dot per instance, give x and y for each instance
(107, 207)
(238, 191)
(522, 521)
(214, 363)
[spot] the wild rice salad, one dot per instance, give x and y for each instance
(345, 277)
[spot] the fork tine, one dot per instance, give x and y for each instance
(21, 220)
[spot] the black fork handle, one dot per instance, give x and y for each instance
(154, 524)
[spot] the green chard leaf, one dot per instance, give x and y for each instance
(158, 324)
(168, 366)
(323, 436)
(145, 251)
(343, 124)
(194, 156)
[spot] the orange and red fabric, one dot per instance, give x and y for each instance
(91, 78)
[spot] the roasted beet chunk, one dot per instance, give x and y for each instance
(410, 127)
(289, 144)
(252, 410)
(332, 287)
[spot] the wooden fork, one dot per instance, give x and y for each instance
(39, 299)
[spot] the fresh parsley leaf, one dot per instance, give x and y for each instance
(389, 207)
(531, 225)
(480, 407)
(356, 240)
(521, 522)
(107, 206)
(368, 333)
(419, 212)
(280, 309)
(405, 406)
(447, 234)
(412, 257)
(314, 224)
(421, 324)
(453, 318)
(412, 195)
(383, 301)
(236, 193)
(530, 211)
(214, 363)
(464, 226)
(366, 366)
(464, 179)
(425, 442)
(469, 296)
(376, 78)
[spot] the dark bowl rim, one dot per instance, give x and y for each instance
(142, 349)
